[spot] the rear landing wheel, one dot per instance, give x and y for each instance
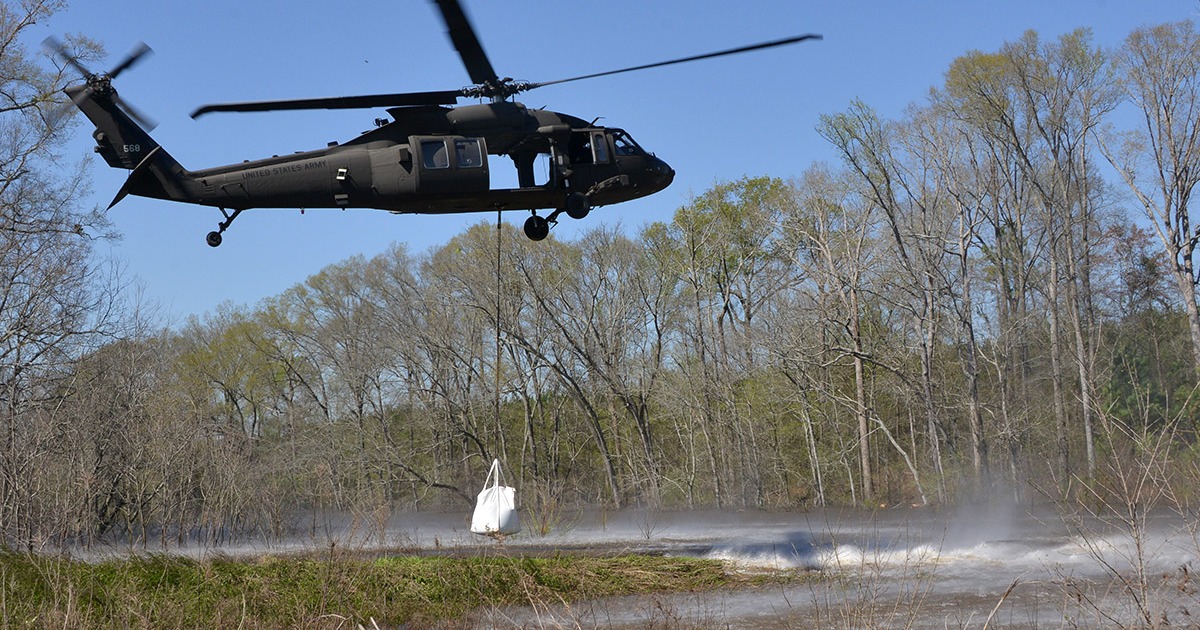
(537, 228)
(214, 238)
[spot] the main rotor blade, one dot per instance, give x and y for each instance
(466, 42)
(720, 53)
(142, 119)
(132, 58)
(53, 44)
(448, 97)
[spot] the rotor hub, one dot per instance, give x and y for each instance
(100, 83)
(497, 90)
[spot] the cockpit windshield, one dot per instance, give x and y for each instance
(625, 145)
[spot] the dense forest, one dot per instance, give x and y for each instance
(993, 295)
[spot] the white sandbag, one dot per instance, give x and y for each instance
(496, 507)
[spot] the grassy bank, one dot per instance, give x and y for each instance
(332, 590)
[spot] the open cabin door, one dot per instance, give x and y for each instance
(590, 157)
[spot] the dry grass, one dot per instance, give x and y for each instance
(332, 590)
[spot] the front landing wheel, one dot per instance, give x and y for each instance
(537, 228)
(213, 239)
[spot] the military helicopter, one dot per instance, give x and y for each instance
(431, 157)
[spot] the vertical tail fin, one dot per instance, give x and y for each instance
(124, 144)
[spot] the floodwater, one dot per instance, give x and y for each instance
(970, 568)
(904, 568)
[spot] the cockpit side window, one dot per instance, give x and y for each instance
(624, 144)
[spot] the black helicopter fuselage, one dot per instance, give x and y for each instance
(408, 167)
(428, 159)
(432, 157)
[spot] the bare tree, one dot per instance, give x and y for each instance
(835, 235)
(54, 305)
(1159, 71)
(1065, 92)
(894, 179)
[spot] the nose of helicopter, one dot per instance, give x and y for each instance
(661, 174)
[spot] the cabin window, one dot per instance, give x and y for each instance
(469, 153)
(434, 154)
(600, 148)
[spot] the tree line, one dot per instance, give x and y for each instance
(991, 295)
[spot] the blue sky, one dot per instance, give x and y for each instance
(752, 114)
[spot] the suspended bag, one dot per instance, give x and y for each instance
(496, 509)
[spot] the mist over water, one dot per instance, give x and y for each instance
(999, 567)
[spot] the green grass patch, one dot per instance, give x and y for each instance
(322, 590)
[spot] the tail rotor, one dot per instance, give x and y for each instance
(99, 83)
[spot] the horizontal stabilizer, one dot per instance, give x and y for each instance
(134, 176)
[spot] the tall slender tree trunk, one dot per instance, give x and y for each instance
(927, 390)
(979, 447)
(1056, 374)
(1186, 279)
(813, 457)
(1080, 323)
(860, 399)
